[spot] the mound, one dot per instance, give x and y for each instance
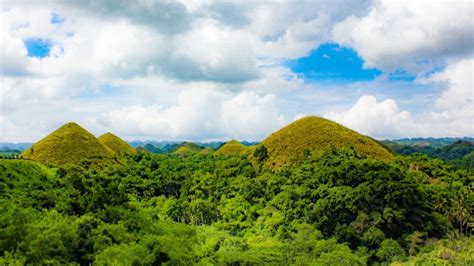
(188, 147)
(23, 170)
(116, 144)
(68, 144)
(233, 148)
(141, 149)
(316, 134)
(207, 150)
(152, 148)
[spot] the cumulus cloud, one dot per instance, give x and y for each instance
(198, 114)
(451, 115)
(226, 60)
(378, 119)
(413, 35)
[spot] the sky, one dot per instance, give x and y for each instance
(219, 70)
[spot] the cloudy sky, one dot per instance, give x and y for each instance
(215, 70)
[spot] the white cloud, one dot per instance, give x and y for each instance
(457, 80)
(414, 35)
(377, 119)
(225, 60)
(198, 114)
(451, 115)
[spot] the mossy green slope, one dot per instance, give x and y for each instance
(188, 147)
(116, 144)
(232, 148)
(69, 144)
(207, 150)
(19, 169)
(316, 134)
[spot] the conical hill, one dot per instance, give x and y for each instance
(233, 148)
(69, 144)
(315, 134)
(187, 148)
(116, 144)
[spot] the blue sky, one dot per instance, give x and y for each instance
(38, 47)
(331, 62)
(216, 70)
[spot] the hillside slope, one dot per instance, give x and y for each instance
(232, 148)
(315, 134)
(69, 144)
(116, 144)
(188, 147)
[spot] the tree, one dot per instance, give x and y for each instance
(389, 251)
(261, 153)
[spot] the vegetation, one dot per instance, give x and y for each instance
(459, 152)
(428, 142)
(313, 135)
(339, 207)
(336, 206)
(188, 147)
(115, 144)
(207, 151)
(68, 144)
(233, 148)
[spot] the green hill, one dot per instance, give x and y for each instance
(116, 144)
(188, 147)
(23, 169)
(207, 150)
(68, 144)
(141, 149)
(233, 148)
(152, 148)
(315, 134)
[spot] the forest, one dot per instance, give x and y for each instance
(339, 207)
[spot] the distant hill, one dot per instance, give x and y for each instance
(459, 152)
(233, 148)
(152, 148)
(456, 150)
(141, 149)
(432, 142)
(314, 134)
(188, 147)
(207, 150)
(116, 144)
(15, 146)
(69, 144)
(170, 146)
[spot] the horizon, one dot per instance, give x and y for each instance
(214, 71)
(175, 141)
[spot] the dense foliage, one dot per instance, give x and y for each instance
(459, 153)
(338, 208)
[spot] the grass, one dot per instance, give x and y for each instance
(116, 144)
(188, 147)
(19, 169)
(207, 150)
(232, 148)
(68, 144)
(314, 134)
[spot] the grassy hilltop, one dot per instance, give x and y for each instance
(187, 148)
(232, 147)
(69, 144)
(116, 144)
(315, 134)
